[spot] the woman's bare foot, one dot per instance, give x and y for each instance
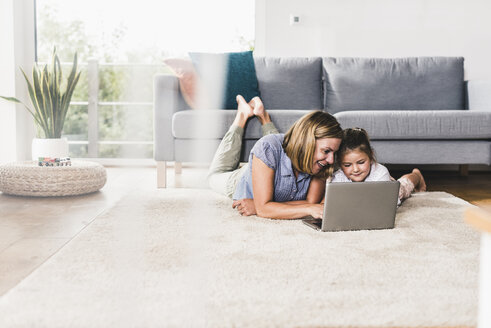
(244, 112)
(259, 110)
(421, 186)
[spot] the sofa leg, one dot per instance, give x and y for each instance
(177, 167)
(464, 170)
(161, 174)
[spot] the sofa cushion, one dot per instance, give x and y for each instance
(419, 83)
(440, 124)
(184, 70)
(290, 83)
(213, 124)
(239, 76)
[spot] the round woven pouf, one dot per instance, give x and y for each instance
(29, 179)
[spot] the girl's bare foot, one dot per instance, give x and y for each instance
(244, 112)
(259, 111)
(421, 186)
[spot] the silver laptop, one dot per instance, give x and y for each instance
(358, 206)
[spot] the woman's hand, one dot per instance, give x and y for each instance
(245, 206)
(317, 211)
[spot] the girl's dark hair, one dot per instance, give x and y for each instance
(355, 139)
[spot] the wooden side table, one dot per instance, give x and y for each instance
(480, 218)
(29, 179)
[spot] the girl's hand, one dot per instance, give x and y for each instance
(317, 211)
(245, 206)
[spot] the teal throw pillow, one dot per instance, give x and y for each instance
(240, 75)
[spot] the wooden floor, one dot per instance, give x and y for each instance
(34, 229)
(474, 188)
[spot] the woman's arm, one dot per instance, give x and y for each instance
(263, 190)
(315, 195)
(316, 191)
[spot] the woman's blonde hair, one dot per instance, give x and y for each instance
(299, 141)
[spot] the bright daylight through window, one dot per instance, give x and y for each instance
(121, 46)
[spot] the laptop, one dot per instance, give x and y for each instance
(357, 206)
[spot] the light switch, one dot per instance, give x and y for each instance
(294, 19)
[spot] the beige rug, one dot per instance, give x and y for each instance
(185, 258)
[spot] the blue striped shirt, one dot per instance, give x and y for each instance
(270, 151)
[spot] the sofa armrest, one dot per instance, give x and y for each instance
(479, 95)
(167, 100)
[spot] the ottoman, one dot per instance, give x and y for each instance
(29, 179)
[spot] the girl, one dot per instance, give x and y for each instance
(286, 174)
(357, 163)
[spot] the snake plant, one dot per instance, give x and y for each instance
(50, 103)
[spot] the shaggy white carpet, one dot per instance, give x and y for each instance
(185, 258)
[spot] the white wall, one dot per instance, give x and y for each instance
(7, 82)
(17, 50)
(378, 28)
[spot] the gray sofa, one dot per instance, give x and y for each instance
(416, 110)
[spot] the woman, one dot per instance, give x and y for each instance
(286, 174)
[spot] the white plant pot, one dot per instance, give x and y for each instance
(49, 148)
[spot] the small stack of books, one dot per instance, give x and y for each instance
(50, 161)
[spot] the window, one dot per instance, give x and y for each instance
(120, 46)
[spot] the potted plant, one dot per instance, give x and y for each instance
(50, 97)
